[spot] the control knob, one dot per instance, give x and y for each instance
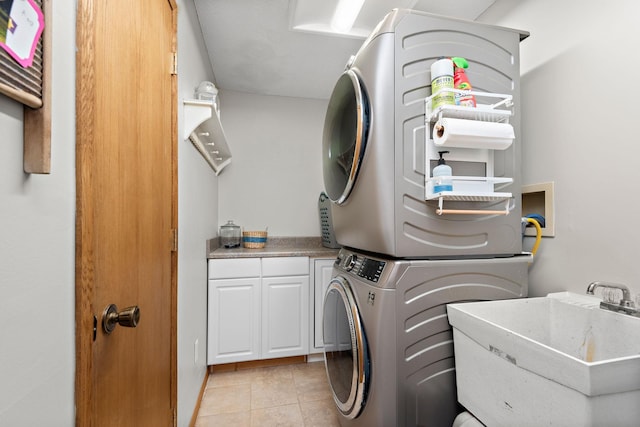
(350, 262)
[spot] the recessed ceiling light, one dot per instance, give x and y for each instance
(327, 17)
(345, 15)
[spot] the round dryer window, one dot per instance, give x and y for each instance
(346, 353)
(344, 139)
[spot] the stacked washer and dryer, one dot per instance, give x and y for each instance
(388, 344)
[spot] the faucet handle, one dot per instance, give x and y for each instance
(610, 300)
(610, 289)
(609, 295)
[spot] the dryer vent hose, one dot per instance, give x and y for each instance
(529, 220)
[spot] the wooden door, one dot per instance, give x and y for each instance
(126, 211)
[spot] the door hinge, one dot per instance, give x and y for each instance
(175, 418)
(174, 63)
(174, 240)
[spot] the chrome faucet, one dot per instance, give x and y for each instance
(625, 305)
(626, 294)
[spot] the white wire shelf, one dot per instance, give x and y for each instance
(469, 189)
(498, 111)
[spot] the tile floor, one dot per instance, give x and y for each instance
(291, 395)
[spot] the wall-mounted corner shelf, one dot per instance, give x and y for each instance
(203, 128)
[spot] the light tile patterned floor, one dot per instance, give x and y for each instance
(292, 395)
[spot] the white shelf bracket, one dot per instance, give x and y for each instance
(203, 128)
(196, 112)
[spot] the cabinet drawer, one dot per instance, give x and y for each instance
(234, 268)
(285, 266)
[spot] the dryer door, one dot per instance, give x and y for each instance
(346, 127)
(346, 353)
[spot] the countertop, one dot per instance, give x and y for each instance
(275, 247)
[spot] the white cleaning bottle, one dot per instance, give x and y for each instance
(442, 174)
(441, 80)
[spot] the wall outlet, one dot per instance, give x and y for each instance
(538, 199)
(195, 352)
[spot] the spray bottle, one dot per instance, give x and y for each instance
(442, 79)
(461, 81)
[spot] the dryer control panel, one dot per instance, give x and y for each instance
(361, 266)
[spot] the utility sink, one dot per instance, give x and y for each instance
(558, 360)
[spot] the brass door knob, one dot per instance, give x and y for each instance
(129, 317)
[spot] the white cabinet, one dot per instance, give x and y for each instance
(233, 310)
(285, 266)
(258, 308)
(234, 320)
(322, 269)
(285, 316)
(285, 306)
(234, 268)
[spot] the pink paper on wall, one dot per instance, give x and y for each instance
(21, 24)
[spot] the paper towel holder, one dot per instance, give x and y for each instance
(474, 134)
(492, 120)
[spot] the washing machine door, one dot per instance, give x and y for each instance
(346, 353)
(346, 127)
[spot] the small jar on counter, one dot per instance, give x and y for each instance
(230, 235)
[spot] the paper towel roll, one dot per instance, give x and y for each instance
(463, 133)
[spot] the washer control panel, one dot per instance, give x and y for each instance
(361, 266)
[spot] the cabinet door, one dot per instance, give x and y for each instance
(323, 269)
(233, 320)
(285, 316)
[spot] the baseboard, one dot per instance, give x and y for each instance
(194, 417)
(252, 364)
(316, 357)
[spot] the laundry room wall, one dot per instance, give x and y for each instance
(275, 176)
(37, 249)
(37, 269)
(579, 127)
(197, 220)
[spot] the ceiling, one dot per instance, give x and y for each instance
(284, 47)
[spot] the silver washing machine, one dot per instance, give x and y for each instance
(374, 141)
(388, 344)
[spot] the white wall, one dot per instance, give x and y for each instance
(37, 298)
(197, 220)
(37, 271)
(275, 175)
(580, 130)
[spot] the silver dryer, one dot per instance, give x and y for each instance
(374, 141)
